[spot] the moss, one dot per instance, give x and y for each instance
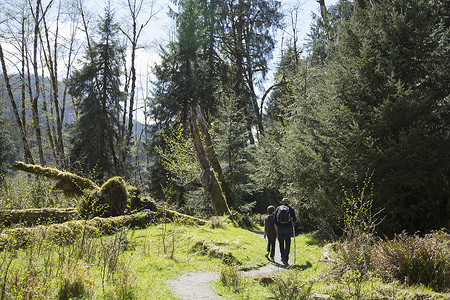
(72, 185)
(210, 249)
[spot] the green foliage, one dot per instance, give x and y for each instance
(20, 191)
(178, 157)
(76, 283)
(6, 147)
(416, 260)
(290, 288)
(111, 200)
(230, 138)
(231, 277)
(357, 215)
(375, 102)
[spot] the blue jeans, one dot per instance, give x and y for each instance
(271, 246)
(284, 238)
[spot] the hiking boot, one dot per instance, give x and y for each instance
(272, 259)
(267, 256)
(285, 263)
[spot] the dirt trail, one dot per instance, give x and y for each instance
(195, 285)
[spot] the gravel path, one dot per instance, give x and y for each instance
(195, 285)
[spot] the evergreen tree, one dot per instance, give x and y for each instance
(377, 105)
(246, 42)
(233, 150)
(97, 88)
(186, 76)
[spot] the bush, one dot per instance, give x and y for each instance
(290, 288)
(416, 260)
(230, 276)
(76, 283)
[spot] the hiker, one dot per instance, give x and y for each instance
(269, 233)
(284, 220)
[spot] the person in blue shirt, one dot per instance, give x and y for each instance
(284, 218)
(269, 233)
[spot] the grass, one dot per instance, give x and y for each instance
(131, 264)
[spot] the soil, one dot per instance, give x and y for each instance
(196, 285)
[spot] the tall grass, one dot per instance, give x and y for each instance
(20, 190)
(415, 260)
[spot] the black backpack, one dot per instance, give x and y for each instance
(283, 215)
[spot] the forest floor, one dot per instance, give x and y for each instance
(196, 285)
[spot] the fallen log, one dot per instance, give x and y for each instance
(70, 184)
(36, 216)
(66, 232)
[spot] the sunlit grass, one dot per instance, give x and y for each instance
(136, 263)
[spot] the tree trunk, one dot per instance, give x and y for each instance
(324, 15)
(209, 180)
(210, 152)
(26, 147)
(52, 66)
(35, 99)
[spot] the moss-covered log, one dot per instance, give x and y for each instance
(70, 184)
(35, 216)
(67, 231)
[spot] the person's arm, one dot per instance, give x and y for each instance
(276, 229)
(294, 217)
(275, 223)
(265, 233)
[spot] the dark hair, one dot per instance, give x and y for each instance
(270, 209)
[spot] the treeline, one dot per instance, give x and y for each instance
(359, 114)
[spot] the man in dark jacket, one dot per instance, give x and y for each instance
(284, 220)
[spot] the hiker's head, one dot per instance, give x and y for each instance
(285, 201)
(270, 209)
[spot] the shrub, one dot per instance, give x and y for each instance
(230, 276)
(291, 288)
(76, 283)
(416, 260)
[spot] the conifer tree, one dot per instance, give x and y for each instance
(375, 104)
(97, 88)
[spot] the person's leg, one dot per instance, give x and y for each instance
(272, 248)
(281, 241)
(287, 247)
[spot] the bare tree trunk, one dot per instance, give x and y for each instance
(52, 66)
(324, 15)
(209, 180)
(26, 146)
(135, 7)
(35, 99)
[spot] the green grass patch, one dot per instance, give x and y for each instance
(131, 264)
(136, 263)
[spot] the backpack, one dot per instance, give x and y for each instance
(283, 215)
